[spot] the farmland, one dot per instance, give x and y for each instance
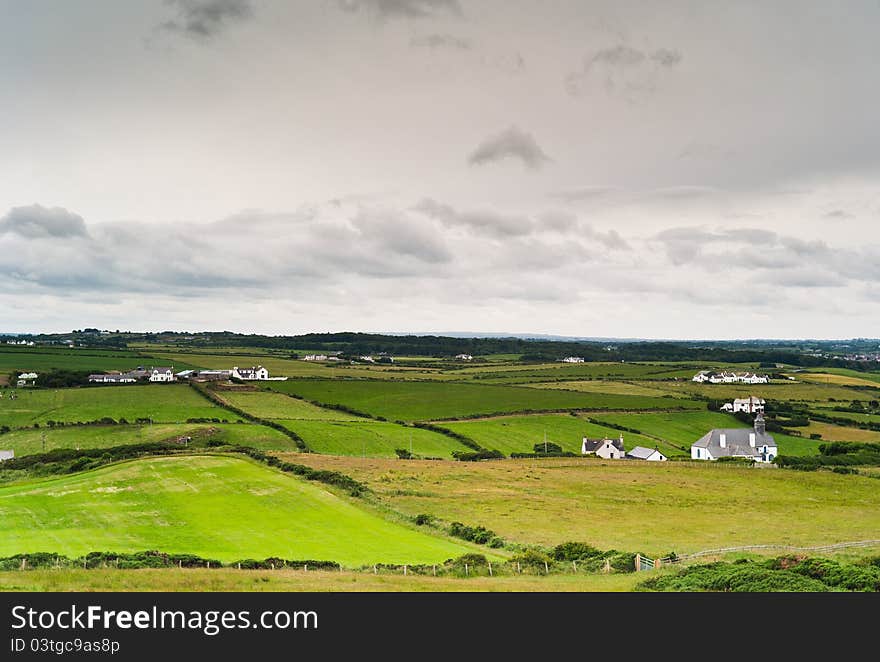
(414, 401)
(266, 404)
(163, 403)
(652, 507)
(213, 506)
(372, 438)
(28, 441)
(519, 434)
(42, 359)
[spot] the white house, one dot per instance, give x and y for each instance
(700, 377)
(368, 359)
(647, 454)
(315, 357)
(113, 378)
(162, 375)
(464, 357)
(750, 378)
(727, 406)
(7, 455)
(27, 379)
(737, 442)
(254, 373)
(609, 449)
(573, 359)
(750, 405)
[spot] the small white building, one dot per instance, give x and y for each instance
(573, 359)
(7, 455)
(162, 374)
(647, 454)
(701, 377)
(112, 378)
(254, 373)
(27, 379)
(608, 449)
(315, 357)
(368, 359)
(464, 357)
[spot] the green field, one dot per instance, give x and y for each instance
(40, 359)
(164, 403)
(30, 440)
(652, 507)
(214, 506)
(414, 401)
(606, 386)
(780, 390)
(519, 434)
(266, 404)
(685, 428)
(371, 438)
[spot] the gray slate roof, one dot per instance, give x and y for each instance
(641, 453)
(737, 442)
(590, 445)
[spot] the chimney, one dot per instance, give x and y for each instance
(760, 428)
(752, 439)
(722, 440)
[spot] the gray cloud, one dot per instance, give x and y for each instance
(838, 214)
(388, 9)
(206, 18)
(482, 222)
(624, 71)
(441, 42)
(36, 221)
(510, 143)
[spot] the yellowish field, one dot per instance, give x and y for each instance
(802, 391)
(831, 432)
(202, 580)
(650, 507)
(840, 380)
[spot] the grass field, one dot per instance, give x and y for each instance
(371, 438)
(29, 441)
(685, 428)
(838, 379)
(832, 432)
(844, 372)
(413, 401)
(213, 506)
(267, 404)
(635, 506)
(164, 403)
(606, 386)
(519, 434)
(203, 580)
(41, 359)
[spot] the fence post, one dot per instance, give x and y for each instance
(239, 566)
(404, 570)
(638, 562)
(657, 564)
(306, 567)
(435, 570)
(607, 567)
(574, 566)
(546, 569)
(518, 568)
(375, 569)
(490, 568)
(23, 563)
(466, 571)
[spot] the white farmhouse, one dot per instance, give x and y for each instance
(464, 357)
(573, 359)
(27, 379)
(162, 375)
(315, 357)
(609, 449)
(750, 405)
(737, 442)
(7, 455)
(701, 377)
(254, 373)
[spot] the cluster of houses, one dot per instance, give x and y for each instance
(573, 359)
(162, 374)
(748, 443)
(707, 376)
(27, 343)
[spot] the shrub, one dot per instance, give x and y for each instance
(574, 551)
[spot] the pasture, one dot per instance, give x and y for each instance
(219, 507)
(683, 429)
(776, 390)
(420, 401)
(41, 359)
(29, 440)
(651, 507)
(369, 438)
(269, 404)
(519, 434)
(163, 403)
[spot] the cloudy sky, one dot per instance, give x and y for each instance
(632, 169)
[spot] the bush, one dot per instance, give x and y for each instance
(574, 551)
(422, 519)
(478, 534)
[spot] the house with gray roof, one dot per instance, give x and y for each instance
(7, 455)
(609, 449)
(752, 443)
(647, 454)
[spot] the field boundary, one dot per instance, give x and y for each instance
(793, 548)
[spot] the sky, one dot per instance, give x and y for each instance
(585, 168)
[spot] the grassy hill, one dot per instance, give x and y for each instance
(213, 506)
(638, 506)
